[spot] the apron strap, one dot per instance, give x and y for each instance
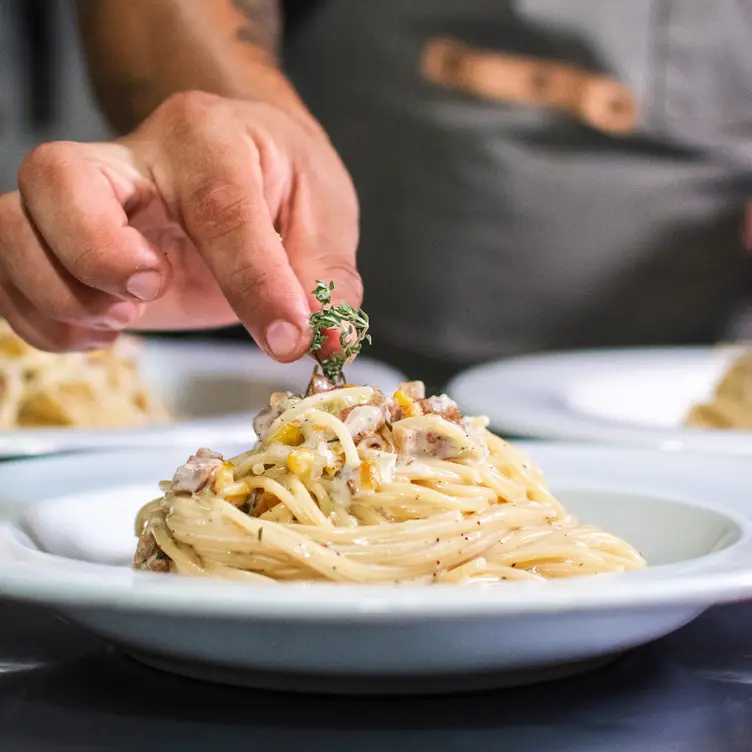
(599, 101)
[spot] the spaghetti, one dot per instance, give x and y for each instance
(731, 404)
(84, 390)
(350, 485)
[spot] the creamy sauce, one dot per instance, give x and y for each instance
(364, 421)
(440, 404)
(385, 463)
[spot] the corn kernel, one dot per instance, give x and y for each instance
(237, 499)
(12, 347)
(290, 434)
(369, 476)
(223, 476)
(236, 494)
(299, 461)
(408, 405)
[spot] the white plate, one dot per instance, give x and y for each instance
(67, 540)
(212, 388)
(634, 397)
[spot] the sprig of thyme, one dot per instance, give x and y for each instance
(351, 323)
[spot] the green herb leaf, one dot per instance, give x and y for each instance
(351, 323)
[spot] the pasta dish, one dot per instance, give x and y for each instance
(348, 484)
(85, 390)
(731, 403)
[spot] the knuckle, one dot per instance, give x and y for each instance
(6, 200)
(190, 103)
(10, 214)
(246, 284)
(191, 114)
(217, 210)
(43, 165)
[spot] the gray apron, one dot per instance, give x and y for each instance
(491, 228)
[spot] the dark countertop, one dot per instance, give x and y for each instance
(61, 689)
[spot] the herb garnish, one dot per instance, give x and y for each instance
(352, 325)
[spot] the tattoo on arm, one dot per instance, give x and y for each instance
(262, 23)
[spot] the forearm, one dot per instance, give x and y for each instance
(142, 51)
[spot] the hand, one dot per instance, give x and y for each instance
(747, 233)
(176, 226)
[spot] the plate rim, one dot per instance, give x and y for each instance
(151, 593)
(540, 413)
(326, 602)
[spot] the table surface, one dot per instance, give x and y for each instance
(62, 689)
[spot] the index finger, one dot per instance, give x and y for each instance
(218, 187)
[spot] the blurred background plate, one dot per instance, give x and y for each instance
(628, 396)
(212, 391)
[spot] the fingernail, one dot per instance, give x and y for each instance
(282, 338)
(120, 315)
(95, 344)
(144, 285)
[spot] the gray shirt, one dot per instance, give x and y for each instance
(491, 228)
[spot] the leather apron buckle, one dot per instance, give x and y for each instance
(599, 101)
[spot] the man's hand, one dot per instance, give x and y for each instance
(212, 211)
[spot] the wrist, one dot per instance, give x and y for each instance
(268, 84)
